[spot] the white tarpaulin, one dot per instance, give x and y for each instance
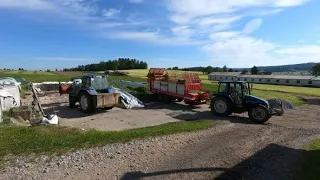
(128, 100)
(9, 97)
(9, 80)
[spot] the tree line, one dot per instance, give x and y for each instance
(210, 69)
(119, 64)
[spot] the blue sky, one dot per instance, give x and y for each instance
(41, 34)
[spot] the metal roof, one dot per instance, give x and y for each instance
(273, 76)
(225, 73)
(230, 81)
(316, 78)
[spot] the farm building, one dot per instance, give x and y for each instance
(267, 79)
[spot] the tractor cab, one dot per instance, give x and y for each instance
(237, 91)
(235, 97)
(96, 82)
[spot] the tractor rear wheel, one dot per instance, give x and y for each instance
(221, 106)
(86, 103)
(259, 114)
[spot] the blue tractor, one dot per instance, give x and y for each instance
(235, 97)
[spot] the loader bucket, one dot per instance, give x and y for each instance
(278, 106)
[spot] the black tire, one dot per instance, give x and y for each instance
(90, 108)
(72, 102)
(259, 114)
(224, 104)
(160, 97)
(179, 99)
(166, 99)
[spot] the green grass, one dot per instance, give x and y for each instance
(31, 77)
(309, 167)
(294, 99)
(49, 140)
(309, 91)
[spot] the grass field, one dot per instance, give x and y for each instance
(53, 140)
(310, 162)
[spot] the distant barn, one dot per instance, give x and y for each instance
(267, 79)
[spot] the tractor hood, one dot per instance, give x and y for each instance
(254, 99)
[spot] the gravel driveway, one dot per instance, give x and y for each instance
(233, 149)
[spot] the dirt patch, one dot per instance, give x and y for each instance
(117, 118)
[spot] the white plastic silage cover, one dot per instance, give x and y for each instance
(127, 99)
(9, 97)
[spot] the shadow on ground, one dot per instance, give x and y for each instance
(185, 112)
(272, 162)
(314, 101)
(63, 111)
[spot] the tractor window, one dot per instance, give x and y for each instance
(99, 83)
(236, 93)
(223, 88)
(245, 90)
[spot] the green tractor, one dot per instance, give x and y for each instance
(235, 97)
(91, 92)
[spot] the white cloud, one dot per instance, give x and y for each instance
(223, 35)
(182, 31)
(110, 13)
(210, 24)
(300, 50)
(208, 7)
(288, 3)
(152, 36)
(240, 51)
(135, 1)
(27, 4)
(148, 36)
(263, 11)
(252, 25)
(207, 21)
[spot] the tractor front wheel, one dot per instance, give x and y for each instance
(221, 106)
(86, 103)
(259, 114)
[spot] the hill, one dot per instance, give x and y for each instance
(288, 68)
(279, 68)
